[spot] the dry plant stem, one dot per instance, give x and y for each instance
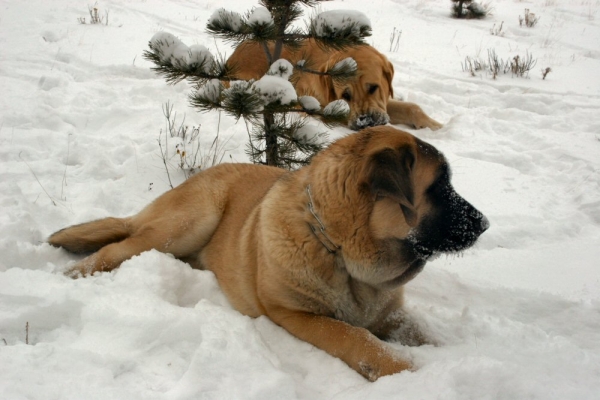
(497, 31)
(27, 332)
(36, 178)
(545, 71)
(530, 19)
(164, 159)
(64, 181)
(395, 40)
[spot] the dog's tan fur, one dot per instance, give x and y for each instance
(251, 226)
(374, 71)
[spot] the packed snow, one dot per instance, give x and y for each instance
(516, 317)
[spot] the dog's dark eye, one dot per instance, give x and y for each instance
(346, 95)
(442, 181)
(373, 88)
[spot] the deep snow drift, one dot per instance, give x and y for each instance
(518, 315)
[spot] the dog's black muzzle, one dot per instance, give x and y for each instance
(367, 120)
(454, 226)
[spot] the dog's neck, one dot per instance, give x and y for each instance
(319, 229)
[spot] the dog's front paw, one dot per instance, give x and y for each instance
(383, 368)
(426, 122)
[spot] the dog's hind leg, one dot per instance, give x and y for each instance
(175, 233)
(179, 222)
(91, 236)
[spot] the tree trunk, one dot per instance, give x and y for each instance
(460, 8)
(272, 147)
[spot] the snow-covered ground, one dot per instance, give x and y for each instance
(518, 316)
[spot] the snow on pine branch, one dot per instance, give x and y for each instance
(341, 72)
(336, 107)
(309, 134)
(226, 20)
(344, 70)
(260, 16)
(211, 91)
(170, 49)
(177, 61)
(341, 25)
(232, 26)
(274, 88)
(281, 68)
(309, 103)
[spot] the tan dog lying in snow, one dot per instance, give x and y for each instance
(323, 251)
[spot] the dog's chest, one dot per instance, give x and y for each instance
(359, 304)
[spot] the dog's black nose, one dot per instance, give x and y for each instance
(485, 223)
(365, 121)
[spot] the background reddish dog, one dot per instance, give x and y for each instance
(369, 95)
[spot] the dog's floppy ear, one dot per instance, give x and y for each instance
(328, 88)
(388, 73)
(389, 174)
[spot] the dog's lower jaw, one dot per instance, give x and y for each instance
(409, 274)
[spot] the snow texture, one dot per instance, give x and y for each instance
(337, 20)
(273, 88)
(260, 16)
(516, 317)
(309, 103)
(281, 68)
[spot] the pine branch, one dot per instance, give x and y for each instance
(196, 72)
(341, 72)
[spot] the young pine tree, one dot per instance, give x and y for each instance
(280, 135)
(468, 9)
